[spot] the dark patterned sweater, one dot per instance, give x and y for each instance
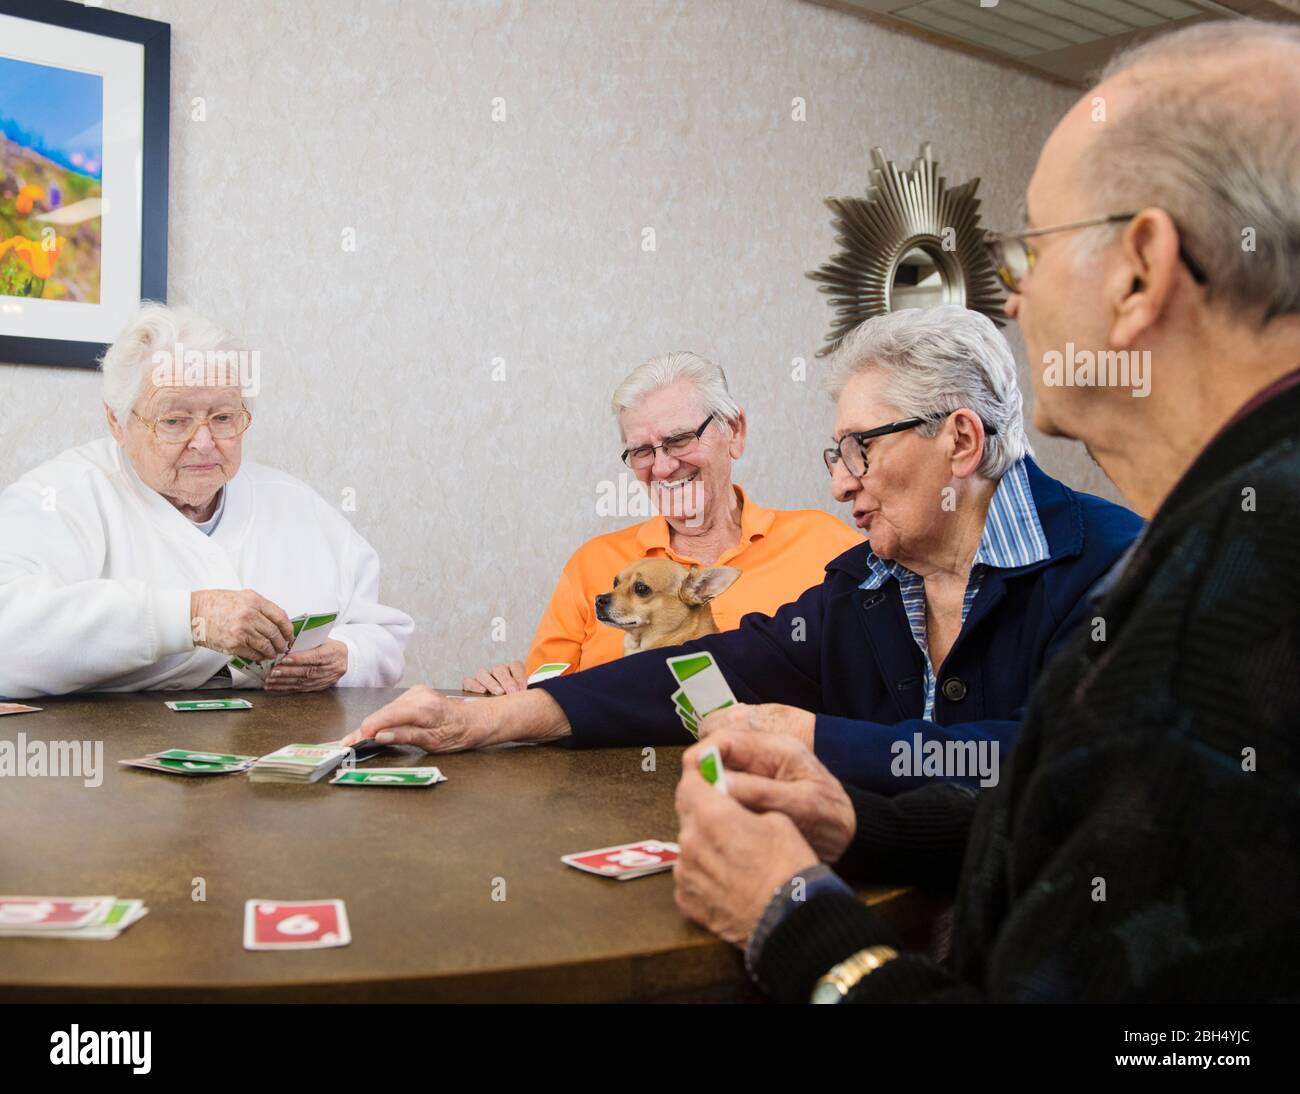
(1142, 844)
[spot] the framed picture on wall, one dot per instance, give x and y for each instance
(84, 106)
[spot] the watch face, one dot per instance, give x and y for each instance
(826, 992)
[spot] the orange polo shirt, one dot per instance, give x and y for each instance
(781, 553)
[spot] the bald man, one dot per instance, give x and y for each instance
(1141, 846)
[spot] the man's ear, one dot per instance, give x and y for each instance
(1140, 290)
(739, 431)
(701, 586)
(114, 426)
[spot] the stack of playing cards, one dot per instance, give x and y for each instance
(295, 924)
(391, 776)
(184, 761)
(703, 688)
(16, 708)
(627, 860)
(297, 763)
(308, 631)
(94, 917)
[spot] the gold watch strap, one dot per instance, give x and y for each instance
(844, 976)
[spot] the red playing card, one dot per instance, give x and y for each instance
(295, 924)
(67, 913)
(627, 859)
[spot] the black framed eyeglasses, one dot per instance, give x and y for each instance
(1013, 258)
(852, 449)
(682, 444)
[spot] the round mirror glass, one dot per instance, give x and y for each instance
(919, 282)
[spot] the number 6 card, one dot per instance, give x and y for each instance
(295, 924)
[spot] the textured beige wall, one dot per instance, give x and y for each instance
(521, 240)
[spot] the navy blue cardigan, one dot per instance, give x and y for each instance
(847, 653)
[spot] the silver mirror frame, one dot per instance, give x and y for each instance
(905, 211)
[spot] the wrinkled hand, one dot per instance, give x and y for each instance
(500, 680)
(763, 718)
(771, 773)
(421, 717)
(732, 861)
(312, 670)
(239, 622)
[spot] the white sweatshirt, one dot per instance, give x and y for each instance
(96, 571)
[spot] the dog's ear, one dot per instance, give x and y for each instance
(701, 586)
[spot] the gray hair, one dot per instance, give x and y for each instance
(155, 328)
(1219, 153)
(666, 369)
(939, 360)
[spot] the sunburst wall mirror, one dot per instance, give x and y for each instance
(910, 243)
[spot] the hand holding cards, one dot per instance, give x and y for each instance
(309, 631)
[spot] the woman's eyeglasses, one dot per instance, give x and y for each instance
(178, 428)
(852, 449)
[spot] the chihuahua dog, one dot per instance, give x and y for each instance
(657, 602)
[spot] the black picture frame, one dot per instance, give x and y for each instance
(155, 37)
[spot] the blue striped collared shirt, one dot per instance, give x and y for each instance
(1013, 537)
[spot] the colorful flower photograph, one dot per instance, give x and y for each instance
(51, 181)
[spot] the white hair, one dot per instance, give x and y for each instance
(939, 360)
(666, 369)
(155, 328)
(1212, 138)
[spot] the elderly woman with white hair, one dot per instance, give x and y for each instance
(975, 570)
(157, 557)
(681, 430)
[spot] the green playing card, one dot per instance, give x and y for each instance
(201, 757)
(390, 776)
(212, 704)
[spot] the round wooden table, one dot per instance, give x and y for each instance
(421, 871)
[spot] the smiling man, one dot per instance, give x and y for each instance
(148, 558)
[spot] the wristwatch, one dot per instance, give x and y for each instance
(836, 984)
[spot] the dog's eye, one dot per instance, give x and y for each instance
(616, 583)
(641, 589)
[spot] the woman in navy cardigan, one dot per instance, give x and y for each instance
(975, 571)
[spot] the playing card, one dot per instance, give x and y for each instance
(391, 776)
(52, 912)
(186, 767)
(702, 681)
(545, 672)
(295, 924)
(201, 757)
(210, 704)
(627, 860)
(17, 708)
(711, 768)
